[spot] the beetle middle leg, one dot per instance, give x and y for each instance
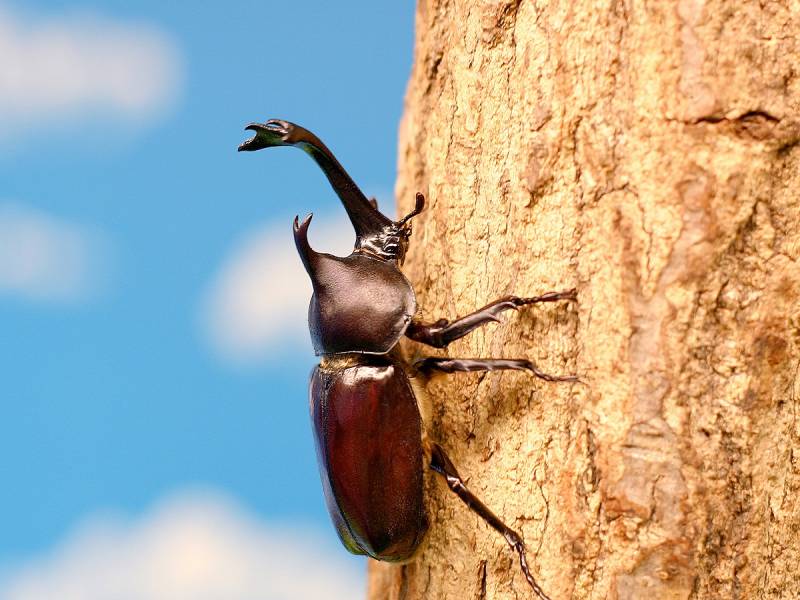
(440, 333)
(456, 365)
(442, 464)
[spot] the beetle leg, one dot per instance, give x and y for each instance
(440, 333)
(456, 365)
(442, 464)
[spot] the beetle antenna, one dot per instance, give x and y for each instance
(419, 205)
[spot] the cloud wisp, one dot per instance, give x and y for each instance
(43, 258)
(57, 70)
(197, 546)
(259, 299)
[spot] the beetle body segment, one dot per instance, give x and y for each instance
(361, 304)
(368, 435)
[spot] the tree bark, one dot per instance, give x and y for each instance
(647, 154)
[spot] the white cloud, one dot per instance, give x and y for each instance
(44, 258)
(259, 299)
(69, 67)
(195, 547)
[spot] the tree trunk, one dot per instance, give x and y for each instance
(647, 154)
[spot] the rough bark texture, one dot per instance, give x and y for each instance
(646, 153)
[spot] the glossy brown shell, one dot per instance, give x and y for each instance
(368, 435)
(360, 304)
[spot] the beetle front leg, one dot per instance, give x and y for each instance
(440, 333)
(465, 365)
(442, 464)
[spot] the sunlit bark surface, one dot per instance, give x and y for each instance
(647, 154)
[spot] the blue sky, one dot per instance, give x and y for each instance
(122, 383)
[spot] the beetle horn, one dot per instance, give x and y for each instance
(304, 249)
(366, 219)
(418, 206)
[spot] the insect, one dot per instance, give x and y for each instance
(370, 438)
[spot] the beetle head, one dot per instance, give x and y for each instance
(376, 234)
(391, 242)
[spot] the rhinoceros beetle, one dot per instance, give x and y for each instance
(371, 441)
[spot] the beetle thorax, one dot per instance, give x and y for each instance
(361, 304)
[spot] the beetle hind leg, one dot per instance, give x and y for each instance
(442, 464)
(465, 365)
